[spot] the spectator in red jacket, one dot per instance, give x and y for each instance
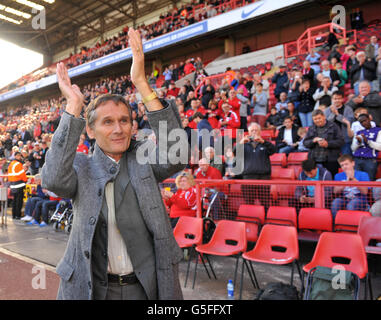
(195, 107)
(189, 67)
(183, 202)
(230, 121)
(206, 171)
(234, 101)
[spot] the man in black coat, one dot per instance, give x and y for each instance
(324, 139)
(365, 69)
(287, 139)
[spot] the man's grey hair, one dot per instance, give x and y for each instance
(90, 113)
(254, 124)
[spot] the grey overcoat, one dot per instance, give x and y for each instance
(83, 179)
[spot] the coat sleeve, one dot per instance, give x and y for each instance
(58, 174)
(166, 124)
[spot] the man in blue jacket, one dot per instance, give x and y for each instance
(280, 78)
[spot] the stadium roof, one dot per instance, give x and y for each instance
(67, 20)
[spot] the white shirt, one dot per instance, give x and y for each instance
(288, 136)
(119, 261)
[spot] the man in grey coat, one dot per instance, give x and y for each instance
(121, 246)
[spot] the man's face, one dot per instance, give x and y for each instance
(283, 96)
(203, 165)
(319, 120)
(254, 131)
(225, 108)
(364, 89)
(337, 100)
(326, 82)
(347, 165)
(365, 122)
(232, 94)
(311, 174)
(194, 104)
(287, 123)
(112, 129)
(373, 39)
(361, 57)
(325, 65)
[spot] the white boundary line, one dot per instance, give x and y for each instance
(28, 260)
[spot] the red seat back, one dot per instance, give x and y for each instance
(272, 238)
(297, 157)
(333, 248)
(370, 231)
(229, 234)
(281, 215)
(348, 220)
(254, 217)
(315, 219)
(188, 231)
(278, 159)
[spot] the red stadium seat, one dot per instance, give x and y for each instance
(281, 215)
(312, 222)
(348, 220)
(229, 239)
(370, 231)
(254, 217)
(277, 245)
(278, 159)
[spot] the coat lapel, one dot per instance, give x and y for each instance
(121, 182)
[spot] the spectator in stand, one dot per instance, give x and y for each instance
(234, 102)
(189, 67)
(314, 59)
(203, 128)
(305, 195)
(82, 147)
(257, 165)
(293, 113)
(206, 171)
(257, 78)
(188, 102)
(208, 92)
(308, 72)
(282, 103)
(287, 139)
(195, 107)
(343, 116)
(273, 121)
(371, 50)
(307, 103)
(280, 78)
(366, 145)
(259, 103)
(36, 158)
(185, 123)
(334, 54)
(293, 84)
(324, 140)
(213, 160)
(183, 202)
(342, 74)
(330, 73)
(349, 197)
(167, 76)
(365, 69)
(244, 108)
(214, 114)
(378, 72)
(375, 210)
(302, 132)
(369, 100)
(351, 60)
(229, 123)
(173, 91)
(323, 94)
(356, 125)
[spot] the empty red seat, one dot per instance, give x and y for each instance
(348, 220)
(254, 217)
(281, 215)
(312, 222)
(278, 159)
(297, 157)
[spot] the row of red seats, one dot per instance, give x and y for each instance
(278, 245)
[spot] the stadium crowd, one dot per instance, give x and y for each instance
(179, 17)
(329, 108)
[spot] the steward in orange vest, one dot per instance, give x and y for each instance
(17, 178)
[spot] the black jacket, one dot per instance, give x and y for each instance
(257, 158)
(334, 137)
(280, 137)
(369, 68)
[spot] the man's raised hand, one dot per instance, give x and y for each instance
(72, 93)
